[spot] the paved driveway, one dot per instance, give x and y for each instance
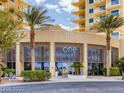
(67, 87)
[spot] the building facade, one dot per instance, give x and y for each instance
(55, 50)
(91, 11)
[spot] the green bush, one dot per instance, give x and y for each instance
(115, 71)
(38, 75)
(8, 70)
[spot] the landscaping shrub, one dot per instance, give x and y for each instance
(8, 70)
(48, 75)
(115, 71)
(38, 75)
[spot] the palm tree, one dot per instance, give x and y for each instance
(35, 17)
(109, 25)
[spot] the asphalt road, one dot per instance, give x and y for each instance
(67, 87)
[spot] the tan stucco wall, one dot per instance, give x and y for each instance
(63, 37)
(122, 48)
(70, 37)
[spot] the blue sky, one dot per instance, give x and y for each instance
(59, 10)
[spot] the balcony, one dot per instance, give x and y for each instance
(100, 13)
(80, 3)
(80, 29)
(79, 12)
(113, 7)
(99, 3)
(80, 21)
(4, 1)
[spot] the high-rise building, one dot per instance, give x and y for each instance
(92, 11)
(14, 6)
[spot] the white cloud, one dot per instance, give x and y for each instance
(66, 5)
(40, 1)
(68, 28)
(53, 7)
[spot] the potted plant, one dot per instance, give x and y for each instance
(77, 75)
(77, 67)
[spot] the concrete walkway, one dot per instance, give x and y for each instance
(63, 79)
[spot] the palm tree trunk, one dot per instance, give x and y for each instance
(32, 42)
(108, 54)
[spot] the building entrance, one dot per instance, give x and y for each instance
(95, 69)
(63, 68)
(66, 55)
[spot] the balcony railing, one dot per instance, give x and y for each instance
(99, 2)
(79, 12)
(78, 3)
(111, 6)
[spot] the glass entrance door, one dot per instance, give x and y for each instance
(96, 60)
(95, 69)
(62, 68)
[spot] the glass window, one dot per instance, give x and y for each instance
(27, 65)
(67, 54)
(91, 10)
(116, 35)
(27, 54)
(12, 0)
(115, 12)
(114, 2)
(11, 58)
(102, 8)
(91, 20)
(114, 54)
(42, 56)
(11, 65)
(95, 55)
(91, 1)
(42, 66)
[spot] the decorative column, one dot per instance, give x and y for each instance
(52, 58)
(18, 63)
(85, 68)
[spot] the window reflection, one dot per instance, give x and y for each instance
(11, 58)
(95, 55)
(95, 61)
(67, 54)
(41, 57)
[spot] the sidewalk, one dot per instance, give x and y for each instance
(62, 79)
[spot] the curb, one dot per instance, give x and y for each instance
(69, 81)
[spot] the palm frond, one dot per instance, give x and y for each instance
(36, 16)
(109, 24)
